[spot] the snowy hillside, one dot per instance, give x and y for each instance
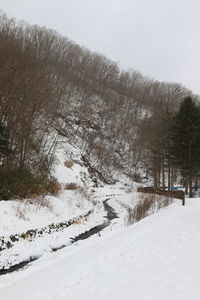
(20, 215)
(31, 227)
(157, 258)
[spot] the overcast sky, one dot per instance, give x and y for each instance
(160, 38)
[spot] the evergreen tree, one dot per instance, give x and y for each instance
(185, 137)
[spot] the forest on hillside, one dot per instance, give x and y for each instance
(121, 120)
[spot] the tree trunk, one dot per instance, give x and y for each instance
(163, 175)
(186, 185)
(190, 170)
(190, 186)
(196, 183)
(169, 176)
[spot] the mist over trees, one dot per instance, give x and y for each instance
(50, 86)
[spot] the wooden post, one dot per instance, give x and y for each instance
(183, 199)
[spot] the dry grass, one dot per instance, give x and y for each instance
(69, 164)
(147, 205)
(81, 220)
(21, 213)
(53, 188)
(78, 221)
(72, 186)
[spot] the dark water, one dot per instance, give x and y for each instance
(111, 214)
(21, 265)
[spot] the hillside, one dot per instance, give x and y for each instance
(114, 116)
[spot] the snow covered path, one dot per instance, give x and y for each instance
(155, 259)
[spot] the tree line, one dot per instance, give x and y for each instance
(174, 146)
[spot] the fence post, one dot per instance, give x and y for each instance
(183, 199)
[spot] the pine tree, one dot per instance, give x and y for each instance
(185, 137)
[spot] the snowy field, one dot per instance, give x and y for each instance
(154, 259)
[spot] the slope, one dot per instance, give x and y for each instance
(157, 258)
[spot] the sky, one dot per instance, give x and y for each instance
(159, 38)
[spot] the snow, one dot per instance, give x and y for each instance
(17, 216)
(156, 258)
(23, 250)
(63, 174)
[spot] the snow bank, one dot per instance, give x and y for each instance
(17, 216)
(157, 258)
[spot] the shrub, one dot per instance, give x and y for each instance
(71, 186)
(22, 183)
(148, 204)
(69, 163)
(52, 187)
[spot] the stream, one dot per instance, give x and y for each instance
(111, 214)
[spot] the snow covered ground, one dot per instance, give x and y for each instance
(20, 216)
(154, 259)
(17, 216)
(24, 248)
